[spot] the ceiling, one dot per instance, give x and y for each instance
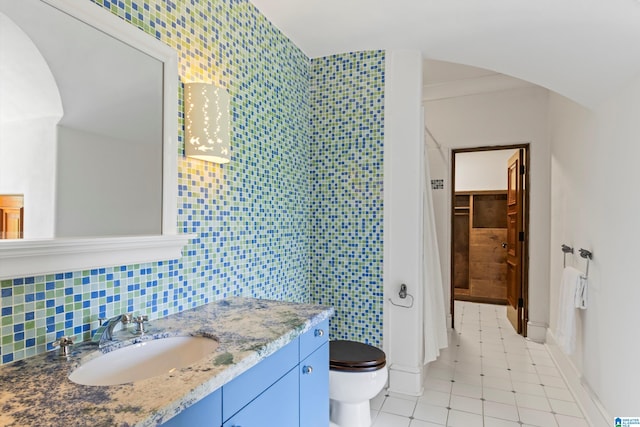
(582, 49)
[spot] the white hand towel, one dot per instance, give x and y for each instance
(581, 293)
(566, 325)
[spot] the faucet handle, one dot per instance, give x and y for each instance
(64, 343)
(139, 321)
(126, 319)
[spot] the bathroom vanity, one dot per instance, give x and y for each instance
(290, 387)
(270, 366)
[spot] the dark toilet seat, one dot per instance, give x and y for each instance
(352, 356)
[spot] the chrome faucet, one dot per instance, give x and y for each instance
(105, 331)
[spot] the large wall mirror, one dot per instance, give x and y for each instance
(88, 129)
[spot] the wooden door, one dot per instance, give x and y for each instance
(11, 216)
(515, 240)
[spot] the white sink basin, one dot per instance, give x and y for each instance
(143, 360)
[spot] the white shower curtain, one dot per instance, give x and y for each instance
(435, 328)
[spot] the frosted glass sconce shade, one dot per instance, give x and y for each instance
(206, 123)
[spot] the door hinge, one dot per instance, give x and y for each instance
(522, 169)
(520, 303)
(521, 236)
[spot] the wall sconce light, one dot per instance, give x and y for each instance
(206, 124)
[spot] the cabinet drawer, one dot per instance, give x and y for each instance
(242, 390)
(314, 338)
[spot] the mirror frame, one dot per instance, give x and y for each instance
(29, 258)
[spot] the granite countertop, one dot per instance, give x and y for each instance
(37, 392)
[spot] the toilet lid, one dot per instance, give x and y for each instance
(355, 356)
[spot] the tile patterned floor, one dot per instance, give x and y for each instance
(488, 377)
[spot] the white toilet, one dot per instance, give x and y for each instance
(357, 373)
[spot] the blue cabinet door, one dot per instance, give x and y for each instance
(277, 406)
(205, 413)
(314, 388)
(243, 389)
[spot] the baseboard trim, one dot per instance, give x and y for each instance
(537, 331)
(591, 407)
(405, 380)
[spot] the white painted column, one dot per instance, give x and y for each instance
(403, 153)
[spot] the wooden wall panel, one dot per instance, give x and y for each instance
(461, 251)
(488, 263)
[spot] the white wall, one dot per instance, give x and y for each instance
(488, 119)
(403, 153)
(482, 170)
(595, 206)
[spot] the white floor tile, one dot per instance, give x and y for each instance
(438, 385)
(530, 401)
(525, 377)
(559, 393)
(563, 407)
(390, 420)
(464, 419)
(495, 355)
(420, 423)
(398, 406)
(440, 374)
(466, 390)
(431, 413)
(516, 348)
(552, 381)
(466, 368)
(437, 398)
(499, 396)
(567, 421)
(537, 418)
(500, 410)
(499, 364)
(551, 371)
(466, 404)
(499, 383)
(489, 347)
(528, 388)
(495, 422)
(402, 396)
(467, 378)
(522, 366)
(496, 372)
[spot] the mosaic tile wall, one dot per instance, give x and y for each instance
(250, 216)
(347, 94)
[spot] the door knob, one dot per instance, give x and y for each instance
(504, 245)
